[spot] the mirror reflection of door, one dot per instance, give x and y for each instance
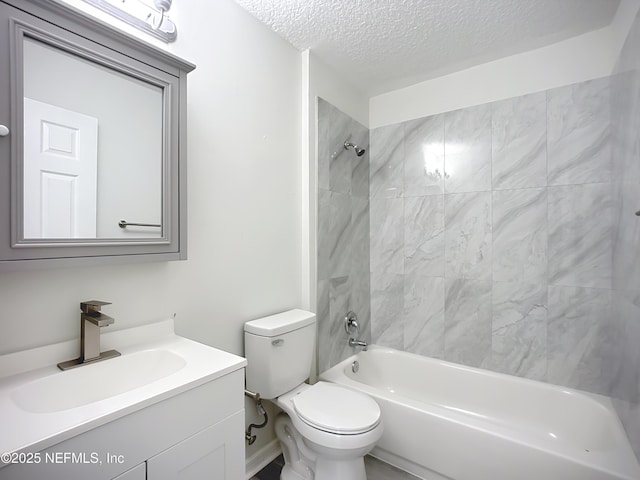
(60, 172)
(130, 146)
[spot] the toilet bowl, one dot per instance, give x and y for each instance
(325, 429)
(331, 429)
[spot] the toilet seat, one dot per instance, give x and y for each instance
(335, 409)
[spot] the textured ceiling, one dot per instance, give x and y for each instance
(386, 44)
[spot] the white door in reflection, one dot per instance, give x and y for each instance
(60, 172)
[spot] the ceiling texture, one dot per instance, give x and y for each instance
(382, 45)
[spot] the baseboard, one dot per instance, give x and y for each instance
(262, 458)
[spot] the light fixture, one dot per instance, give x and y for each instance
(143, 15)
(163, 6)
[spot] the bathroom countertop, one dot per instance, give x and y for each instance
(32, 431)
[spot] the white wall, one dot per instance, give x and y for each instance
(245, 203)
(327, 83)
(581, 58)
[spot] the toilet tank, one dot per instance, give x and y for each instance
(279, 351)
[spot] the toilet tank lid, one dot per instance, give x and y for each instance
(280, 323)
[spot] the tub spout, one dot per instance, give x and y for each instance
(358, 343)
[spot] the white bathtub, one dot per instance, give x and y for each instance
(448, 421)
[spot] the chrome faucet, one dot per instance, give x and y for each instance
(91, 320)
(358, 343)
(351, 327)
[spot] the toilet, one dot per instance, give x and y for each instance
(325, 429)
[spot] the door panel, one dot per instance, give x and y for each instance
(215, 453)
(60, 172)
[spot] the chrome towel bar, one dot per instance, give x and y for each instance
(125, 224)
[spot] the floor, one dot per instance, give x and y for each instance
(376, 470)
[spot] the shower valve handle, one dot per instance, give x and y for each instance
(351, 323)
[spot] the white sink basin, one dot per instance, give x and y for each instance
(41, 406)
(94, 382)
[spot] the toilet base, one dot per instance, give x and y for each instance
(289, 474)
(302, 463)
(332, 470)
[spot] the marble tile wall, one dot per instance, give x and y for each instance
(501, 236)
(625, 118)
(343, 233)
(492, 229)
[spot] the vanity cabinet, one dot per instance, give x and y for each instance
(197, 434)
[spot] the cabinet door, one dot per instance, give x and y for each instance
(136, 473)
(215, 453)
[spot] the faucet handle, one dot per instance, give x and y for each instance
(351, 323)
(92, 306)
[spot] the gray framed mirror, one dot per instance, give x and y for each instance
(94, 160)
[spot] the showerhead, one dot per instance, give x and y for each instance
(359, 151)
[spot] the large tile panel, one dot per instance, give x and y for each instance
(333, 129)
(424, 315)
(579, 338)
(387, 235)
(468, 242)
(467, 321)
(467, 150)
(387, 323)
(580, 235)
(387, 161)
(519, 329)
(520, 235)
(424, 156)
(578, 137)
(424, 235)
(519, 153)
